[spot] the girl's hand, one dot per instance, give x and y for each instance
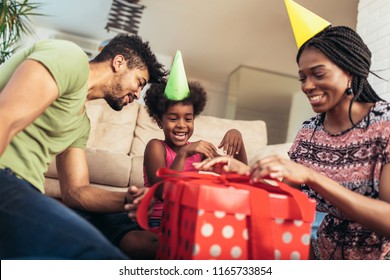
(231, 142)
(222, 164)
(205, 148)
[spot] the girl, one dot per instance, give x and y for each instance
(176, 119)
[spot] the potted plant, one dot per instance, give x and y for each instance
(14, 22)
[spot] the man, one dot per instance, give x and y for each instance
(42, 94)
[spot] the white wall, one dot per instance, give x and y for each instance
(40, 33)
(373, 24)
(216, 97)
(300, 111)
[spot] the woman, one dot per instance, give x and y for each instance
(340, 157)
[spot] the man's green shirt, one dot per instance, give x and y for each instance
(63, 124)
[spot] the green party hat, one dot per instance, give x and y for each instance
(305, 24)
(177, 86)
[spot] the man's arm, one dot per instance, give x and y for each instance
(27, 94)
(76, 191)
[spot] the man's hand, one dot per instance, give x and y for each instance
(133, 198)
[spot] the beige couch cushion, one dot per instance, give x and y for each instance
(254, 133)
(116, 128)
(145, 130)
(270, 150)
(106, 168)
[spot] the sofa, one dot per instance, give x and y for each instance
(117, 141)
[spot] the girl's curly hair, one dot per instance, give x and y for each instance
(157, 103)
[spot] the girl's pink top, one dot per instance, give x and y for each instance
(169, 158)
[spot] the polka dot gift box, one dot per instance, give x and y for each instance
(225, 217)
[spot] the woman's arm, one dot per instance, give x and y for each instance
(371, 213)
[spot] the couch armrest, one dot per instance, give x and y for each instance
(276, 149)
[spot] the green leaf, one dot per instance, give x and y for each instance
(14, 22)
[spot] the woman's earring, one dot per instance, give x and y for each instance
(349, 90)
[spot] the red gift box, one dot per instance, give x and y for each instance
(226, 217)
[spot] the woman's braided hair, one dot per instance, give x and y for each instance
(346, 49)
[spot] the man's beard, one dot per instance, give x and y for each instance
(115, 103)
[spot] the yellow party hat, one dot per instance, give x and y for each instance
(177, 86)
(305, 24)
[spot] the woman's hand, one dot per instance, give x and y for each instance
(222, 164)
(277, 167)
